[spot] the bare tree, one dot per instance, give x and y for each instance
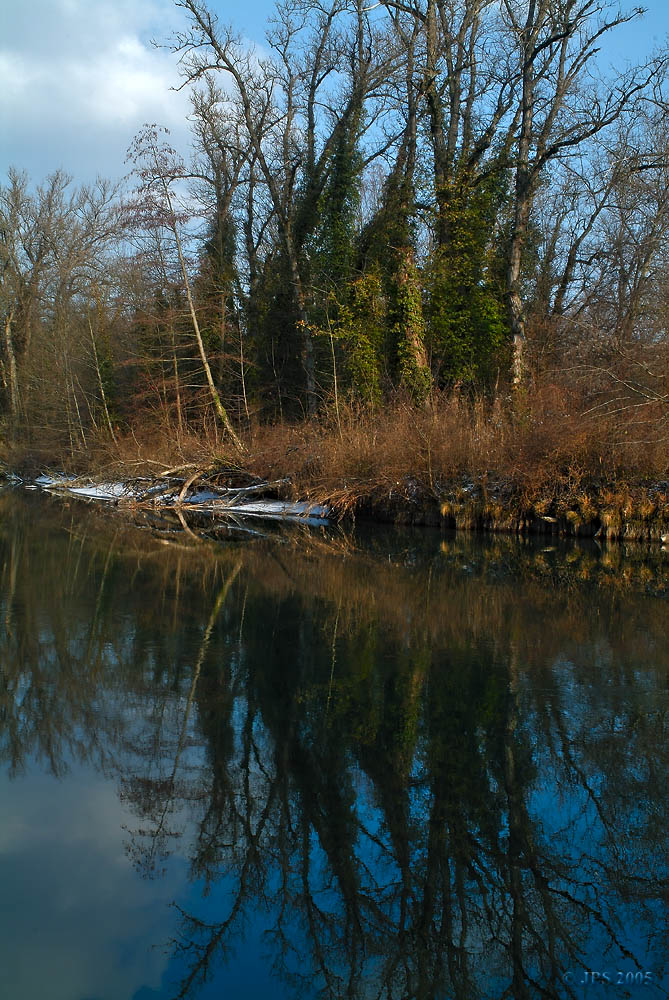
(57, 242)
(158, 167)
(326, 67)
(562, 105)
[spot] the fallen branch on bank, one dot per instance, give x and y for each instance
(196, 493)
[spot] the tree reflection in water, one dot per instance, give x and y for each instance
(440, 773)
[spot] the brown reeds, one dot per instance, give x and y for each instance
(550, 454)
(546, 447)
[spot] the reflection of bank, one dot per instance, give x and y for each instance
(445, 813)
(428, 795)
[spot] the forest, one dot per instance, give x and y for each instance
(413, 240)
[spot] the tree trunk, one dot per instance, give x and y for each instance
(305, 332)
(523, 199)
(437, 125)
(101, 384)
(415, 372)
(14, 400)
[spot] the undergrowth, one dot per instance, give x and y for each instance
(538, 448)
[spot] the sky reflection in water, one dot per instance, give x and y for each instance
(391, 765)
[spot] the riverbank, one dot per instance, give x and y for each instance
(455, 465)
(639, 513)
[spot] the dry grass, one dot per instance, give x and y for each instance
(545, 447)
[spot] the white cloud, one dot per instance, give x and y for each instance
(78, 79)
(82, 922)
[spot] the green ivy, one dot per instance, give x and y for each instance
(409, 329)
(361, 330)
(466, 319)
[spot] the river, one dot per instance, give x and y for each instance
(312, 763)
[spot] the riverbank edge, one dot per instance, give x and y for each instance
(642, 515)
(638, 513)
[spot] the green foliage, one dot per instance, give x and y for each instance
(361, 328)
(323, 235)
(219, 252)
(386, 245)
(389, 228)
(467, 328)
(326, 220)
(408, 329)
(338, 208)
(216, 283)
(108, 378)
(274, 331)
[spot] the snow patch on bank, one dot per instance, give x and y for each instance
(221, 503)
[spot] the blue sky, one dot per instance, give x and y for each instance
(78, 78)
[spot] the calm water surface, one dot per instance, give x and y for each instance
(309, 765)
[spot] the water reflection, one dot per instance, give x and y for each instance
(434, 768)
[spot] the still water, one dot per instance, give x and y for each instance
(314, 764)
